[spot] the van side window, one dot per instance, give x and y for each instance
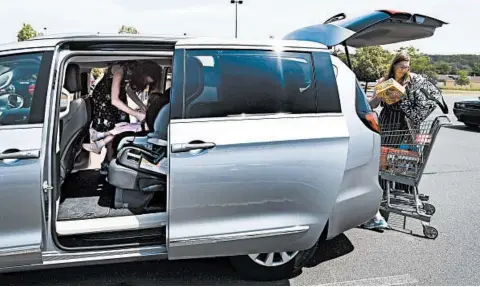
(223, 83)
(23, 88)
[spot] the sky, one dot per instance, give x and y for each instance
(257, 19)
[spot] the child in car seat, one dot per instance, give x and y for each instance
(99, 139)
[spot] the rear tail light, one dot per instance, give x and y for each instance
(364, 111)
(371, 120)
(31, 89)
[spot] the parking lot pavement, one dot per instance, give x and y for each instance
(358, 257)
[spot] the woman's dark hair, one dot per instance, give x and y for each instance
(143, 70)
(403, 56)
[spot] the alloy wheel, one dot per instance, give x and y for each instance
(272, 259)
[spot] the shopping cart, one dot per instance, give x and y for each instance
(404, 154)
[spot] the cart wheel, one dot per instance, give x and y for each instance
(429, 208)
(430, 232)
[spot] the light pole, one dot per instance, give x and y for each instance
(236, 2)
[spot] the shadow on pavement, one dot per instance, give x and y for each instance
(174, 273)
(462, 127)
(182, 272)
(331, 249)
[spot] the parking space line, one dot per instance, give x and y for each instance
(405, 279)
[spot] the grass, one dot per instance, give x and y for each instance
(460, 90)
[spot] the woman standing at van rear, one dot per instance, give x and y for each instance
(110, 98)
(392, 118)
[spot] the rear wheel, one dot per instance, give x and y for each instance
(272, 266)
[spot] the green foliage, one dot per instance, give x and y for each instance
(442, 67)
(476, 69)
(462, 79)
(371, 63)
(26, 32)
(127, 30)
(459, 62)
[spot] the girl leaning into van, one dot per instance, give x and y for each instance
(110, 109)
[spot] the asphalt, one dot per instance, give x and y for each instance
(358, 257)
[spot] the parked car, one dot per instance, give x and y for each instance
(265, 149)
(468, 112)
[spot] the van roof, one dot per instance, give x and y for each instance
(50, 41)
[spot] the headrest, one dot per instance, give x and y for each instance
(73, 78)
(161, 123)
(156, 103)
(240, 77)
(194, 77)
(84, 83)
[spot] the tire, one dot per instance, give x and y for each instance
(252, 270)
(472, 126)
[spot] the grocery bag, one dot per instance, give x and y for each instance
(422, 98)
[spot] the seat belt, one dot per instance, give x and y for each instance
(135, 98)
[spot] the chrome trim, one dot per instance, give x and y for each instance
(266, 47)
(23, 154)
(21, 127)
(122, 53)
(59, 257)
(19, 251)
(238, 236)
(25, 50)
(256, 117)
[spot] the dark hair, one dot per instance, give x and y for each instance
(400, 57)
(143, 70)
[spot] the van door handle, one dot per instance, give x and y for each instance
(176, 148)
(20, 154)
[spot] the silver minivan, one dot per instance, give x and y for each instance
(265, 149)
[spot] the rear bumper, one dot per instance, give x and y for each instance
(467, 115)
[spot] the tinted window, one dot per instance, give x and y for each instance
(221, 83)
(23, 88)
(361, 101)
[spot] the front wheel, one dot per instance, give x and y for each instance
(472, 126)
(272, 266)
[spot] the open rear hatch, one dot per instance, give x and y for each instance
(372, 29)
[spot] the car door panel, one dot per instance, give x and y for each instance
(268, 184)
(21, 165)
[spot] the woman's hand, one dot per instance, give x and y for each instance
(140, 116)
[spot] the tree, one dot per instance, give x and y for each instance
(27, 32)
(476, 69)
(371, 63)
(462, 79)
(127, 30)
(442, 67)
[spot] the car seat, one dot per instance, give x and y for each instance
(74, 125)
(139, 173)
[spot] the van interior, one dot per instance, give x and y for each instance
(127, 206)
